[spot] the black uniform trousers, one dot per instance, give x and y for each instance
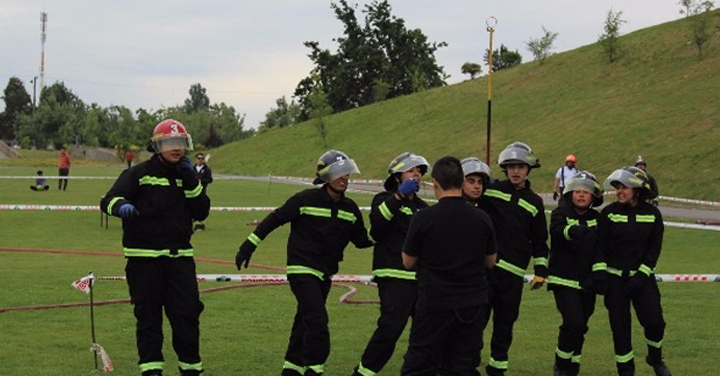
(576, 307)
(648, 310)
(170, 283)
(445, 343)
(397, 303)
(309, 343)
(62, 182)
(505, 293)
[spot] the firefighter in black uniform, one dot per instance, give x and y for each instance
(477, 177)
(518, 215)
(576, 272)
(204, 174)
(157, 201)
(630, 234)
(641, 164)
(390, 217)
(323, 221)
(452, 245)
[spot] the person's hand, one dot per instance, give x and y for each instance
(555, 196)
(244, 254)
(578, 231)
(408, 187)
(595, 282)
(537, 282)
(636, 282)
(185, 163)
(127, 211)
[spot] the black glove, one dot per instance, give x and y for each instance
(555, 196)
(595, 282)
(578, 231)
(636, 282)
(244, 254)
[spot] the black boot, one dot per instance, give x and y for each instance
(492, 371)
(659, 367)
(558, 371)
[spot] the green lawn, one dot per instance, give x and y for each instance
(245, 330)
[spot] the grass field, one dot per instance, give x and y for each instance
(244, 330)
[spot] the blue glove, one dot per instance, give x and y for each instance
(408, 187)
(184, 163)
(127, 211)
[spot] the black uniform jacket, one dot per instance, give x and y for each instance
(630, 237)
(571, 260)
(390, 220)
(168, 200)
(320, 229)
(519, 219)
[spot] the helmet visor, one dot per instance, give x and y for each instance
(183, 142)
(586, 185)
(624, 177)
(340, 168)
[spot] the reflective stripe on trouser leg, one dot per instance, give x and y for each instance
(309, 343)
(505, 296)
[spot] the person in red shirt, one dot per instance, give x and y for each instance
(129, 158)
(63, 168)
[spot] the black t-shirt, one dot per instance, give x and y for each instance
(451, 240)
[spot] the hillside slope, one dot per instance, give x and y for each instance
(659, 100)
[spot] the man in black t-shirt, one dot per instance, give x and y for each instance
(451, 244)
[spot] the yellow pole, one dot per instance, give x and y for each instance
(491, 23)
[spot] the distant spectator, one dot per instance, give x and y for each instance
(204, 174)
(641, 164)
(564, 174)
(129, 156)
(40, 184)
(63, 168)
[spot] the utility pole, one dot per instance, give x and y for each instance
(43, 37)
(34, 82)
(491, 23)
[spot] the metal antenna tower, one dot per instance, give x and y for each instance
(43, 36)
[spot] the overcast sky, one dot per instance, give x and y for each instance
(248, 53)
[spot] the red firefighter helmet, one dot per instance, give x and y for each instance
(170, 134)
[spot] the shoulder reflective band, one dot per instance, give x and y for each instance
(385, 211)
(315, 212)
(498, 194)
(650, 218)
(617, 218)
(151, 180)
(394, 273)
(502, 264)
(528, 206)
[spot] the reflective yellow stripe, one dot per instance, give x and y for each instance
(254, 239)
(294, 367)
(528, 206)
(299, 269)
(624, 358)
(315, 212)
(406, 210)
(592, 223)
(498, 194)
(649, 218)
(618, 218)
(563, 355)
(137, 252)
(498, 364)
(385, 211)
(190, 366)
(542, 261)
(112, 203)
(566, 231)
(645, 270)
(599, 266)
(502, 264)
(394, 273)
(319, 368)
(195, 192)
(576, 358)
(151, 180)
(150, 366)
(350, 217)
(657, 345)
(614, 271)
(555, 280)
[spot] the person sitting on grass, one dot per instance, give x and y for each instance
(40, 182)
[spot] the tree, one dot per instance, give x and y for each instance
(285, 114)
(610, 39)
(541, 47)
(698, 15)
(17, 103)
(320, 109)
(473, 69)
(373, 61)
(58, 119)
(198, 99)
(503, 58)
